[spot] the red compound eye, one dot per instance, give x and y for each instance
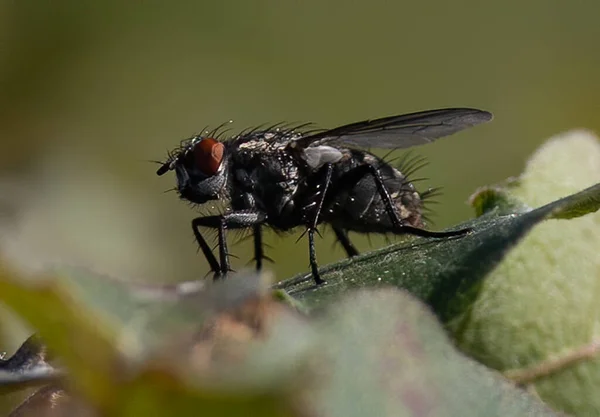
(208, 155)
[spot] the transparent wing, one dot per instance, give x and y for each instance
(400, 131)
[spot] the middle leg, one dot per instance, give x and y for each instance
(311, 217)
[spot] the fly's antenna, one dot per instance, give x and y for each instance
(164, 168)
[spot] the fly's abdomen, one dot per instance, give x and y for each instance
(360, 207)
(408, 203)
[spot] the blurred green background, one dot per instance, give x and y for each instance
(90, 91)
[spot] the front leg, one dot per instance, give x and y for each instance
(234, 220)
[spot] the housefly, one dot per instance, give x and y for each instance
(288, 177)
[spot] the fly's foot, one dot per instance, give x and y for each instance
(316, 275)
(319, 281)
(219, 275)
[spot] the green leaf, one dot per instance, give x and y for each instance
(436, 270)
(496, 201)
(536, 316)
(386, 355)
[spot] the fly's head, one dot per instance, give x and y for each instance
(200, 165)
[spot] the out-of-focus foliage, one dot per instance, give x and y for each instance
(375, 351)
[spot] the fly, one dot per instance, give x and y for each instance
(285, 178)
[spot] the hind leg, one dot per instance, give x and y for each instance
(355, 175)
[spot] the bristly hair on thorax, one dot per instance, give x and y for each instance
(284, 129)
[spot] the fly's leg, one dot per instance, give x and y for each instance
(342, 237)
(206, 250)
(313, 258)
(313, 211)
(397, 227)
(396, 222)
(259, 253)
(216, 222)
(235, 220)
(437, 235)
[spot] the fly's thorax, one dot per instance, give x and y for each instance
(266, 172)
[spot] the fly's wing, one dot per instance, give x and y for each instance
(399, 131)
